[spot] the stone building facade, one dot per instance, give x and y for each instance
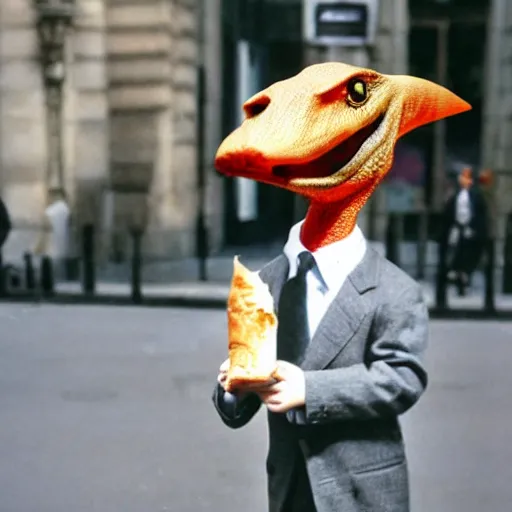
(497, 126)
(129, 121)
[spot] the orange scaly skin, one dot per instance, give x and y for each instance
(329, 134)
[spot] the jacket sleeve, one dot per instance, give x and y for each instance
(479, 221)
(235, 412)
(390, 381)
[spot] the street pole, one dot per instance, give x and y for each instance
(201, 228)
(440, 127)
(53, 19)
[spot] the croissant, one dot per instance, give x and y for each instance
(252, 330)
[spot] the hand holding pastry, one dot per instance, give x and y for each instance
(288, 393)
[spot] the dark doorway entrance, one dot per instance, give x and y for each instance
(274, 207)
(447, 45)
(466, 43)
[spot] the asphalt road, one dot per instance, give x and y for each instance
(108, 410)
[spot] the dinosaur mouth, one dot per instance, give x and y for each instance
(333, 160)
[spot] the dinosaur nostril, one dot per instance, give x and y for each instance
(256, 107)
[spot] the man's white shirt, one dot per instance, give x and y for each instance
(462, 217)
(463, 207)
(334, 263)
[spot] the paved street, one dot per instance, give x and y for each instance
(108, 410)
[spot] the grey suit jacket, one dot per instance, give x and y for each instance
(363, 369)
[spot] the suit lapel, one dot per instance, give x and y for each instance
(275, 274)
(344, 315)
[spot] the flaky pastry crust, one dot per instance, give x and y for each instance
(252, 329)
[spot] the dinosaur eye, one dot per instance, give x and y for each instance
(357, 92)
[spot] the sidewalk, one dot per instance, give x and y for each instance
(196, 291)
(177, 284)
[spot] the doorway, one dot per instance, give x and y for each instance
(449, 50)
(273, 209)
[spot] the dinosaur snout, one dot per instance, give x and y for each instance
(241, 162)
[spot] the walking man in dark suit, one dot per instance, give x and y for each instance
(465, 229)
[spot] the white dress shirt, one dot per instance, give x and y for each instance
(462, 217)
(334, 263)
(463, 207)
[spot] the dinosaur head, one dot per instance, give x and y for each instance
(329, 132)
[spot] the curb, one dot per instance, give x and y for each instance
(217, 303)
(118, 300)
(470, 314)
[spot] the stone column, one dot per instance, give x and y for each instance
(184, 157)
(152, 52)
(497, 129)
(139, 44)
(85, 119)
(213, 128)
(22, 125)
(87, 116)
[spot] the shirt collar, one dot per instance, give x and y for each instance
(334, 261)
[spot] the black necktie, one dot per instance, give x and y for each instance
(293, 327)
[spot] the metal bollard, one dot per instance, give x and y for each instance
(30, 275)
(47, 276)
(490, 265)
(88, 252)
(441, 287)
(422, 244)
(136, 291)
(507, 257)
(392, 239)
(202, 248)
(3, 290)
(201, 227)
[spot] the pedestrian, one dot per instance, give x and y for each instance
(55, 239)
(5, 223)
(465, 224)
(352, 328)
